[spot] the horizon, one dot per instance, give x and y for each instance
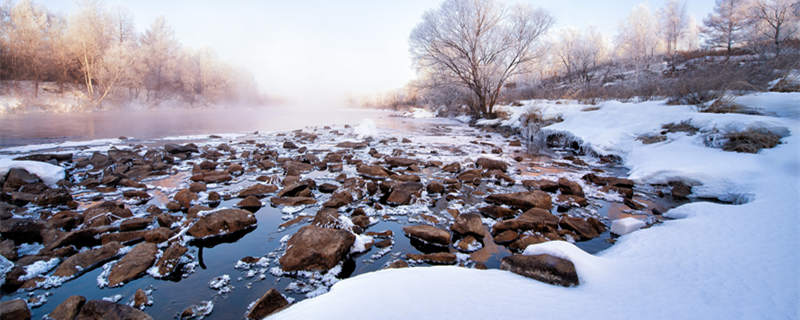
(334, 58)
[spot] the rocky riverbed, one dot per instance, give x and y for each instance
(242, 226)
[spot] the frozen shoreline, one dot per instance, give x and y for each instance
(713, 261)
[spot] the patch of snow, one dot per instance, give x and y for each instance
(50, 174)
(65, 144)
(626, 225)
(366, 129)
(29, 249)
(360, 245)
(38, 268)
(115, 298)
(5, 267)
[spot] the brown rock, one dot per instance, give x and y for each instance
(216, 177)
(68, 309)
(397, 264)
(197, 187)
(140, 299)
(497, 212)
(14, 309)
(269, 303)
(435, 187)
(434, 258)
(492, 164)
(506, 237)
(468, 224)
(680, 190)
(327, 218)
(106, 310)
(372, 171)
(454, 167)
(292, 201)
(133, 264)
(542, 267)
(222, 222)
(522, 243)
(170, 259)
(523, 200)
(250, 203)
(339, 199)
(185, 198)
(86, 260)
(135, 224)
(403, 193)
(585, 228)
(428, 234)
(315, 248)
(570, 187)
(543, 184)
(157, 235)
(258, 190)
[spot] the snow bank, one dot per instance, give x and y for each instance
(626, 225)
(715, 261)
(366, 129)
(50, 174)
(785, 105)
(65, 144)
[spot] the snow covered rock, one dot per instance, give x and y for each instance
(315, 248)
(626, 225)
(169, 261)
(48, 173)
(542, 267)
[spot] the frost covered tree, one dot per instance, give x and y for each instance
(638, 38)
(479, 44)
(90, 36)
(725, 27)
(775, 20)
(580, 52)
(674, 23)
(159, 51)
(28, 27)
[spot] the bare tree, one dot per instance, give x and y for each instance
(90, 36)
(725, 26)
(777, 18)
(580, 52)
(479, 44)
(159, 55)
(638, 39)
(674, 22)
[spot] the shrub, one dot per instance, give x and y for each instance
(750, 141)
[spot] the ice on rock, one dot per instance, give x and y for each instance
(38, 268)
(29, 249)
(626, 225)
(50, 174)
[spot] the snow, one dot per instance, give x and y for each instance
(785, 105)
(38, 268)
(714, 260)
(29, 249)
(419, 113)
(65, 144)
(626, 225)
(50, 174)
(5, 267)
(360, 245)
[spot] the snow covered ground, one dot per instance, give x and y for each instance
(713, 261)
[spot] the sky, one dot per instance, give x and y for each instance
(317, 51)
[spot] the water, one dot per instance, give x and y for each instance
(40, 127)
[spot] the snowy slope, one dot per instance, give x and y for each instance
(714, 261)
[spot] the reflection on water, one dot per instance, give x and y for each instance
(36, 128)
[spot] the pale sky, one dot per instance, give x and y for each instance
(317, 51)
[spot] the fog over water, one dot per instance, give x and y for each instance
(41, 127)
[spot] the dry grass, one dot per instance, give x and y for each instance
(683, 126)
(651, 138)
(750, 141)
(727, 104)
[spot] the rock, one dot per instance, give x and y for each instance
(289, 145)
(297, 189)
(86, 260)
(258, 190)
(403, 193)
(497, 212)
(106, 310)
(140, 299)
(269, 303)
(327, 218)
(428, 234)
(533, 219)
(185, 198)
(361, 221)
(197, 187)
(8, 249)
(610, 181)
(173, 206)
(434, 258)
(47, 157)
(133, 264)
(169, 260)
(316, 248)
(680, 190)
(542, 267)
(213, 196)
(174, 148)
(157, 235)
(22, 230)
(397, 264)
(372, 171)
(473, 176)
(351, 145)
(492, 164)
(250, 203)
(523, 200)
(16, 178)
(506, 237)
(135, 224)
(468, 224)
(294, 168)
(468, 244)
(14, 309)
(292, 201)
(400, 162)
(586, 229)
(435, 187)
(339, 199)
(222, 222)
(454, 167)
(138, 194)
(523, 242)
(235, 169)
(105, 213)
(216, 177)
(328, 188)
(570, 187)
(68, 309)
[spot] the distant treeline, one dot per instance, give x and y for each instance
(98, 51)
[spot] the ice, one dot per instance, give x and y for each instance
(360, 245)
(38, 268)
(29, 249)
(65, 144)
(50, 174)
(626, 225)
(5, 267)
(115, 298)
(221, 284)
